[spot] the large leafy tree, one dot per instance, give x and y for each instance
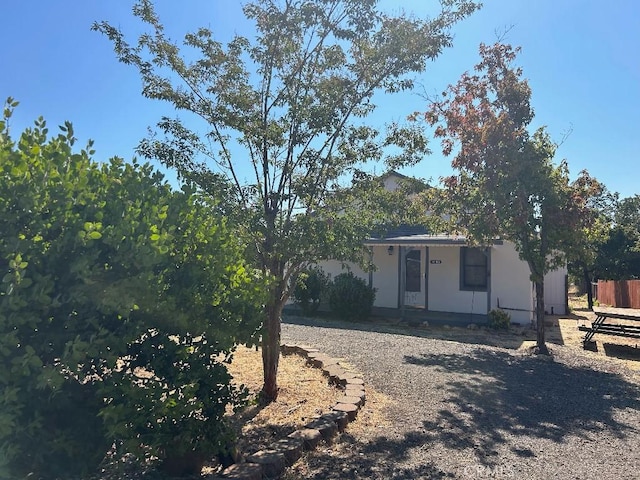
(584, 255)
(285, 109)
(506, 183)
(113, 286)
(618, 257)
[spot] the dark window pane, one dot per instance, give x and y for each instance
(474, 269)
(412, 274)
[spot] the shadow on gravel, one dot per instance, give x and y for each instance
(624, 352)
(505, 400)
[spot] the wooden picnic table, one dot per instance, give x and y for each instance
(602, 324)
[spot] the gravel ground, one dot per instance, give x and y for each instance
(463, 410)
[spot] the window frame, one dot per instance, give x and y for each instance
(465, 265)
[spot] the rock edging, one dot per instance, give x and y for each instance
(271, 462)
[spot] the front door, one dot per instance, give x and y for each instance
(414, 295)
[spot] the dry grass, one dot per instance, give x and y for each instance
(370, 424)
(303, 394)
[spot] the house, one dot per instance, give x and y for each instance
(417, 272)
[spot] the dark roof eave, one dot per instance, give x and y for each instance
(422, 241)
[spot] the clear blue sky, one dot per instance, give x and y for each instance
(581, 58)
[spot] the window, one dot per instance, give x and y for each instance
(473, 269)
(412, 271)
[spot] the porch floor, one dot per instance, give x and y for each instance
(418, 315)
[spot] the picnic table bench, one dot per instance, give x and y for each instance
(601, 325)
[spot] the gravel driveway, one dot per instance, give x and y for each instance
(462, 410)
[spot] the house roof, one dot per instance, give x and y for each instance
(392, 173)
(401, 231)
(423, 239)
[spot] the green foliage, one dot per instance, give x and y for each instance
(310, 289)
(115, 287)
(507, 184)
(499, 319)
(618, 256)
(292, 99)
(350, 298)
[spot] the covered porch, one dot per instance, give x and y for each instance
(418, 316)
(434, 278)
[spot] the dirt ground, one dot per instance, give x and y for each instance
(563, 330)
(304, 392)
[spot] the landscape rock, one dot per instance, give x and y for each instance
(350, 409)
(273, 463)
(354, 381)
(355, 400)
(291, 448)
(243, 471)
(334, 372)
(327, 428)
(341, 419)
(310, 437)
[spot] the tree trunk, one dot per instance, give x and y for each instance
(587, 281)
(271, 326)
(540, 344)
(271, 351)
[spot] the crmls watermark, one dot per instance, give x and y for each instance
(485, 471)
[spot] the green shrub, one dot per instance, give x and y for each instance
(310, 289)
(118, 295)
(350, 297)
(499, 319)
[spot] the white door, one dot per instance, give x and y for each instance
(414, 283)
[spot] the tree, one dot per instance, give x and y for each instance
(286, 107)
(119, 300)
(618, 257)
(507, 184)
(583, 257)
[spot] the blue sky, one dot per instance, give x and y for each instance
(580, 56)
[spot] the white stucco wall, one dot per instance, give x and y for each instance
(554, 292)
(511, 285)
(385, 278)
(444, 284)
(333, 268)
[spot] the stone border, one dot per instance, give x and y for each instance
(272, 462)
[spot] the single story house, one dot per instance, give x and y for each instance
(420, 272)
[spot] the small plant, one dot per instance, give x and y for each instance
(350, 297)
(499, 319)
(310, 289)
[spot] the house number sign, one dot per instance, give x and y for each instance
(435, 262)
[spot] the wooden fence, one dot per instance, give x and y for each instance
(619, 293)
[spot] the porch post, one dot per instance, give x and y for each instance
(426, 279)
(403, 279)
(488, 250)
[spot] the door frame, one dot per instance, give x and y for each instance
(402, 274)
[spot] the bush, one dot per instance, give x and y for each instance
(499, 319)
(310, 289)
(117, 297)
(350, 297)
